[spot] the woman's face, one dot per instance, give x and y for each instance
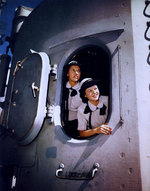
(74, 73)
(92, 93)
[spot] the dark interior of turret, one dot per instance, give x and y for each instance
(96, 64)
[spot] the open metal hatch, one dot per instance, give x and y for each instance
(27, 107)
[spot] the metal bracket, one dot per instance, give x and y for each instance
(50, 113)
(121, 121)
(76, 175)
(18, 66)
(13, 184)
(54, 71)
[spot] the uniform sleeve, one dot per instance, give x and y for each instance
(76, 102)
(82, 121)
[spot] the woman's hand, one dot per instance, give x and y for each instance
(105, 129)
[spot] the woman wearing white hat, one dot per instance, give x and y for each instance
(92, 114)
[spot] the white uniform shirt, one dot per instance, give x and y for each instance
(96, 118)
(73, 102)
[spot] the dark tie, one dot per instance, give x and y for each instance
(88, 110)
(73, 92)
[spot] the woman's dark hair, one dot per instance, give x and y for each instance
(88, 83)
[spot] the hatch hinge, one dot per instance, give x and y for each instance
(50, 113)
(18, 66)
(53, 72)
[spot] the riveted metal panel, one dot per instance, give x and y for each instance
(117, 154)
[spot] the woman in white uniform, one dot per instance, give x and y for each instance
(92, 114)
(72, 99)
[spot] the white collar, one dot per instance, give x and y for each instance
(76, 87)
(93, 107)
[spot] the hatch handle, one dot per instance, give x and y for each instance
(77, 175)
(145, 34)
(148, 57)
(144, 11)
(34, 89)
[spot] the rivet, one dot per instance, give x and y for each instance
(122, 155)
(130, 171)
(16, 91)
(119, 46)
(117, 15)
(127, 88)
(148, 155)
(14, 104)
(122, 187)
(129, 139)
(123, 5)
